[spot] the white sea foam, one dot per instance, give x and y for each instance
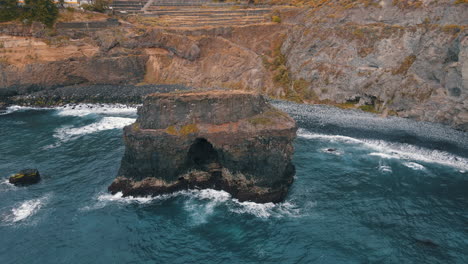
(118, 197)
(17, 108)
(25, 210)
(414, 165)
(210, 199)
(81, 109)
(102, 109)
(259, 210)
(384, 155)
(106, 123)
(7, 186)
(385, 168)
(6, 182)
(391, 150)
(200, 212)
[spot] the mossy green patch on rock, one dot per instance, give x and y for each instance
(136, 126)
(182, 131)
(368, 108)
(171, 130)
(188, 129)
(261, 120)
(18, 176)
(267, 118)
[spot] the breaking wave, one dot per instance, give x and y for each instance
(414, 165)
(5, 185)
(80, 109)
(394, 150)
(385, 169)
(106, 123)
(101, 109)
(25, 210)
(17, 108)
(200, 204)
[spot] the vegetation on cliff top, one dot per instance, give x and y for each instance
(44, 11)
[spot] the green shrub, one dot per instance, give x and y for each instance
(368, 108)
(9, 10)
(276, 19)
(44, 11)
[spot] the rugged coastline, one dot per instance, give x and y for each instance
(406, 60)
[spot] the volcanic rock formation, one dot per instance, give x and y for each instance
(224, 140)
(24, 177)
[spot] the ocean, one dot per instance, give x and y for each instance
(392, 190)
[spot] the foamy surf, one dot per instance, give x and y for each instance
(414, 165)
(118, 197)
(101, 109)
(17, 108)
(25, 210)
(5, 185)
(211, 199)
(392, 150)
(385, 169)
(104, 199)
(106, 123)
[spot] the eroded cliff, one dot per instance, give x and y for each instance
(404, 58)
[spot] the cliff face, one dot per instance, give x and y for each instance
(228, 57)
(410, 61)
(233, 141)
(404, 58)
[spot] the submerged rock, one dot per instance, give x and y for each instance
(27, 176)
(225, 140)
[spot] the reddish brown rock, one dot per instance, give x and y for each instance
(225, 140)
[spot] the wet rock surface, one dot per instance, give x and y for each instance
(225, 140)
(25, 177)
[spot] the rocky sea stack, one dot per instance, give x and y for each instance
(225, 140)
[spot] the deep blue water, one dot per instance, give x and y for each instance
(394, 191)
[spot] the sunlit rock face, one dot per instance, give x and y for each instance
(225, 140)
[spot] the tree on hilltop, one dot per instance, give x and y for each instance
(8, 10)
(44, 11)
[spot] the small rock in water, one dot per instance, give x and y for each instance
(27, 176)
(426, 242)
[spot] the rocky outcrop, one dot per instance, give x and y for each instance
(27, 176)
(94, 70)
(226, 140)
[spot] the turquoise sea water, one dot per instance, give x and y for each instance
(393, 191)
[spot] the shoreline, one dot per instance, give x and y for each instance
(129, 95)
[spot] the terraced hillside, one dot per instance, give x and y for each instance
(196, 13)
(128, 6)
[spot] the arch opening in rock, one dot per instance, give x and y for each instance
(202, 155)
